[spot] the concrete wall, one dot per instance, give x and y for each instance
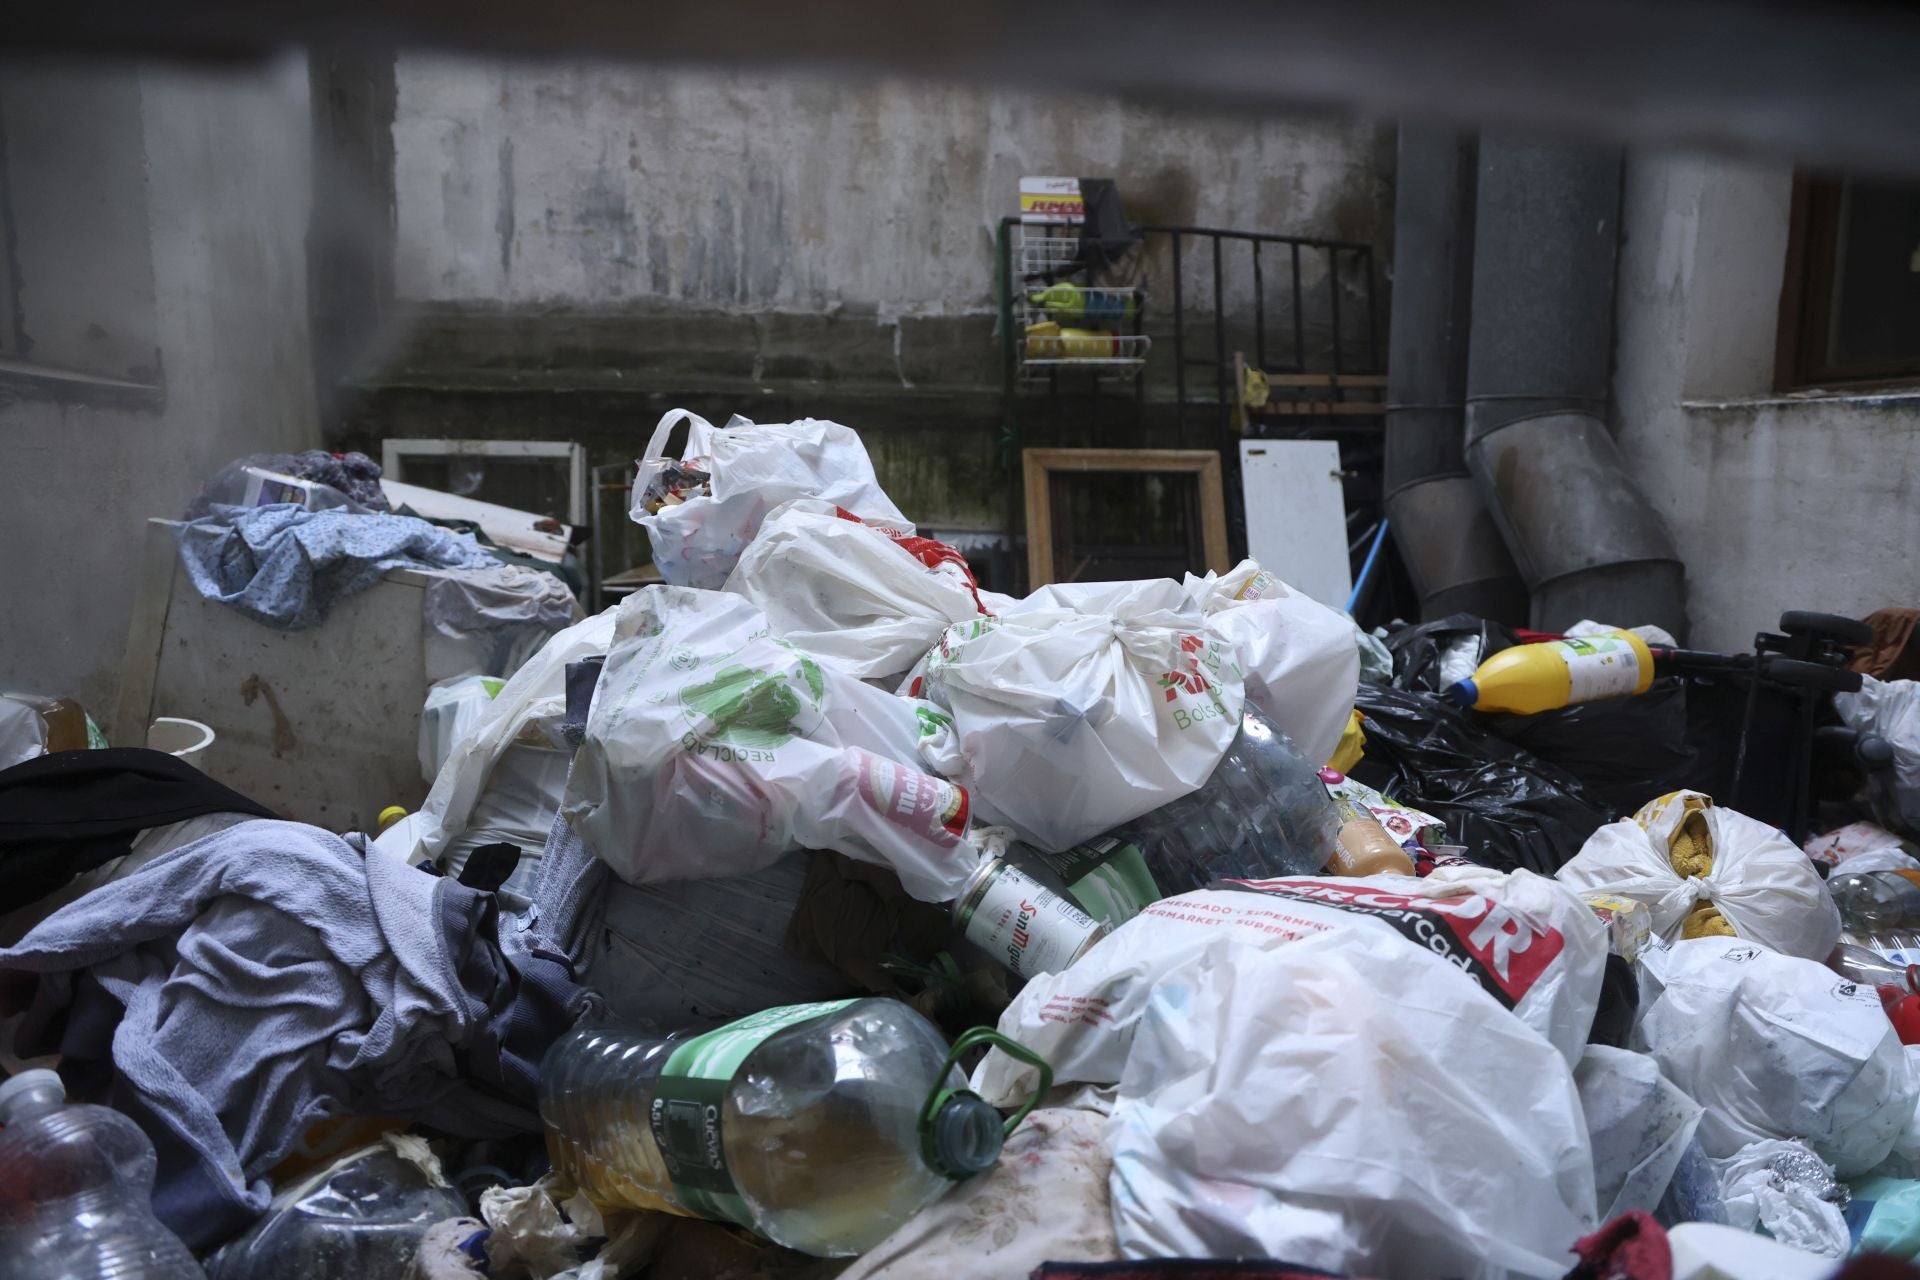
(576, 248)
(175, 283)
(1802, 502)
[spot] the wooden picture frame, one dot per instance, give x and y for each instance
(1040, 465)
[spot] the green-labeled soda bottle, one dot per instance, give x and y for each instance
(822, 1126)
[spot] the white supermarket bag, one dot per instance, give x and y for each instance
(1776, 1047)
(1760, 881)
(1353, 1102)
(1083, 706)
(1536, 948)
(868, 600)
(699, 531)
(1299, 658)
(713, 748)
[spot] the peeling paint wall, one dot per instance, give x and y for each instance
(600, 186)
(1776, 503)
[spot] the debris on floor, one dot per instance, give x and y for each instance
(819, 912)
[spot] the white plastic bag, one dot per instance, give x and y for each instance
(528, 708)
(1760, 881)
(1084, 706)
(452, 708)
(1534, 947)
(1639, 1123)
(1352, 1102)
(751, 469)
(1890, 708)
(1778, 1184)
(713, 748)
(1776, 1047)
(1298, 656)
(858, 597)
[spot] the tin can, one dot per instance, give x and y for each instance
(1020, 922)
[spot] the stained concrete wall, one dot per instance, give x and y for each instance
(176, 282)
(1801, 502)
(577, 248)
(601, 186)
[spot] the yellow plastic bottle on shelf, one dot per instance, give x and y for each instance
(1531, 678)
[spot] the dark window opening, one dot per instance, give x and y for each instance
(1850, 303)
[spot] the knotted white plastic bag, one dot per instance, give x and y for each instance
(1760, 881)
(1776, 1047)
(713, 748)
(867, 600)
(1083, 707)
(699, 532)
(1298, 656)
(1352, 1102)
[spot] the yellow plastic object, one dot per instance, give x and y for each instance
(390, 815)
(1352, 745)
(1530, 678)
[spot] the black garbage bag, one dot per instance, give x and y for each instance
(1510, 808)
(1416, 650)
(1626, 751)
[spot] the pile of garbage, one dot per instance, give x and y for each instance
(819, 912)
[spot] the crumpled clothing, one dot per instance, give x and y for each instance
(284, 566)
(239, 989)
(1630, 1247)
(352, 473)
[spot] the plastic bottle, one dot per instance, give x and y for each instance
(74, 1187)
(1263, 813)
(1079, 302)
(823, 1126)
(1880, 910)
(1363, 847)
(1530, 678)
(1863, 965)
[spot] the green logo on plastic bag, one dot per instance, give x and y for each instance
(747, 707)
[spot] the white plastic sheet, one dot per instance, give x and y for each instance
(452, 709)
(1776, 1184)
(853, 595)
(753, 469)
(713, 748)
(529, 708)
(1890, 708)
(1535, 948)
(1352, 1102)
(1639, 1123)
(1760, 881)
(1299, 658)
(1776, 1047)
(1084, 706)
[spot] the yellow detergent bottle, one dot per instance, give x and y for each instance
(1531, 678)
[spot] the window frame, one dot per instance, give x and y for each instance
(1806, 299)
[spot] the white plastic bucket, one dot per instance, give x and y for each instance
(188, 739)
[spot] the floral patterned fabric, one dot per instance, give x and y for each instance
(1046, 1201)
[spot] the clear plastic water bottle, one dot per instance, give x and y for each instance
(1264, 812)
(823, 1127)
(1880, 910)
(75, 1183)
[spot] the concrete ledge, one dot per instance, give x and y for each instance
(1892, 398)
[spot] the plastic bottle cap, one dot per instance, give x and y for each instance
(1463, 693)
(29, 1082)
(966, 1137)
(390, 815)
